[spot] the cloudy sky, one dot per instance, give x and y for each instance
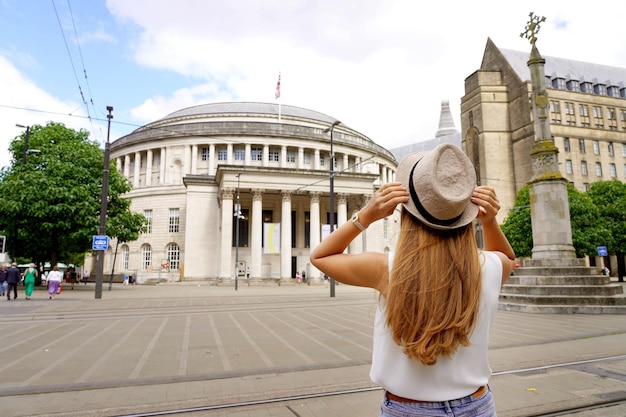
(380, 66)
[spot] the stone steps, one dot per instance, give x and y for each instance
(566, 286)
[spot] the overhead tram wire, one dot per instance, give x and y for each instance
(69, 54)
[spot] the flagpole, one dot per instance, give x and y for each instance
(277, 97)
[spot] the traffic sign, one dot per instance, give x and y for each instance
(602, 251)
(100, 243)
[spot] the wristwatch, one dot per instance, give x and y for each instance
(357, 223)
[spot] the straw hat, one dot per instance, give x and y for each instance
(440, 184)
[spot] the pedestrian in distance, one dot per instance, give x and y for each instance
(438, 291)
(3, 279)
(29, 280)
(13, 279)
(54, 281)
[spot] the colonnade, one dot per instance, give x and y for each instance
(187, 160)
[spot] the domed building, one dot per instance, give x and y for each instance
(244, 188)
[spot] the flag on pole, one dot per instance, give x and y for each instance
(277, 94)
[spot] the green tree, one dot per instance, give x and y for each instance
(588, 230)
(517, 226)
(125, 226)
(50, 204)
(610, 198)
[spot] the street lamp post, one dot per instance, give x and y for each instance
(103, 207)
(238, 216)
(331, 174)
(25, 152)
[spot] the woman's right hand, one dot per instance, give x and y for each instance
(383, 203)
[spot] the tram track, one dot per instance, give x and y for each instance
(276, 400)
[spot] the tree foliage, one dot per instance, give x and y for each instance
(50, 204)
(589, 230)
(610, 199)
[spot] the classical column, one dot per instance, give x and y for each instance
(315, 233)
(186, 160)
(300, 158)
(118, 164)
(384, 179)
(137, 170)
(227, 268)
(162, 159)
(285, 237)
(316, 159)
(194, 159)
(149, 168)
(248, 155)
(342, 209)
(256, 243)
(266, 155)
(212, 159)
(283, 156)
(346, 163)
(229, 154)
(127, 166)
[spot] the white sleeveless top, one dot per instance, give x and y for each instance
(451, 377)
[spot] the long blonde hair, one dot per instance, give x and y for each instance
(432, 297)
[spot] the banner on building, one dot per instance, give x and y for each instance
(271, 237)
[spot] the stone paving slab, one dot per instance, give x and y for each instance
(183, 345)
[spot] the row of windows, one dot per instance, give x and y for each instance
(172, 252)
(569, 108)
(596, 147)
(584, 171)
(256, 154)
(586, 87)
(173, 224)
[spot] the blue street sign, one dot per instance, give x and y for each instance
(100, 243)
(602, 251)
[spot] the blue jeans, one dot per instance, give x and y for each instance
(463, 407)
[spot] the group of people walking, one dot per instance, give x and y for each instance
(11, 277)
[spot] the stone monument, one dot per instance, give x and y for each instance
(554, 280)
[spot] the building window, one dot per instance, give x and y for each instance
(322, 160)
(585, 186)
(569, 108)
(613, 91)
(257, 153)
(623, 149)
(244, 222)
(240, 154)
(222, 154)
(174, 225)
(610, 147)
(573, 85)
(586, 88)
(613, 170)
(568, 166)
(583, 168)
(291, 157)
(307, 158)
(125, 257)
(205, 153)
(581, 145)
(274, 155)
(554, 106)
(597, 112)
(173, 256)
(600, 89)
(148, 215)
(596, 147)
(558, 83)
(598, 169)
(610, 113)
(584, 110)
(566, 144)
(622, 115)
(146, 256)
